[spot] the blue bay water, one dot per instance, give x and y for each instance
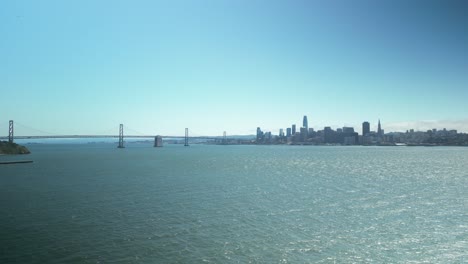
(94, 203)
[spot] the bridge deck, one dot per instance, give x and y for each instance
(103, 136)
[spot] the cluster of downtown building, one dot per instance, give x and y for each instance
(347, 136)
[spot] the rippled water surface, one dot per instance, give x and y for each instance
(235, 204)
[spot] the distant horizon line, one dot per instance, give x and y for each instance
(176, 136)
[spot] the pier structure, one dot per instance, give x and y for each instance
(158, 141)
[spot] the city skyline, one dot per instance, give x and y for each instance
(349, 136)
(157, 67)
(363, 129)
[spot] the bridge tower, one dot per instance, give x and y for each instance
(186, 137)
(10, 132)
(121, 137)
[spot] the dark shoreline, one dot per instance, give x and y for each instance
(10, 148)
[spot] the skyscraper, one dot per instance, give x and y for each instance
(365, 128)
(304, 123)
(379, 129)
(259, 134)
(328, 135)
(293, 129)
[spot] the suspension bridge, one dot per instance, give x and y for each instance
(11, 136)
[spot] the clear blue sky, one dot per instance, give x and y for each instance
(85, 66)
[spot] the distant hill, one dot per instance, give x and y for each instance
(12, 148)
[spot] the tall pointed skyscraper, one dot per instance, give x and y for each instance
(304, 123)
(379, 129)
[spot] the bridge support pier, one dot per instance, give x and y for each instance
(121, 137)
(10, 132)
(186, 137)
(158, 141)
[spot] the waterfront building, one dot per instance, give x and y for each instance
(364, 140)
(349, 140)
(288, 132)
(267, 137)
(365, 128)
(348, 129)
(296, 137)
(281, 132)
(259, 135)
(303, 134)
(328, 135)
(294, 129)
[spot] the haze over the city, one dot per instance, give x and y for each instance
(84, 67)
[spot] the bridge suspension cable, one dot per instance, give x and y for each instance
(33, 130)
(138, 133)
(196, 134)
